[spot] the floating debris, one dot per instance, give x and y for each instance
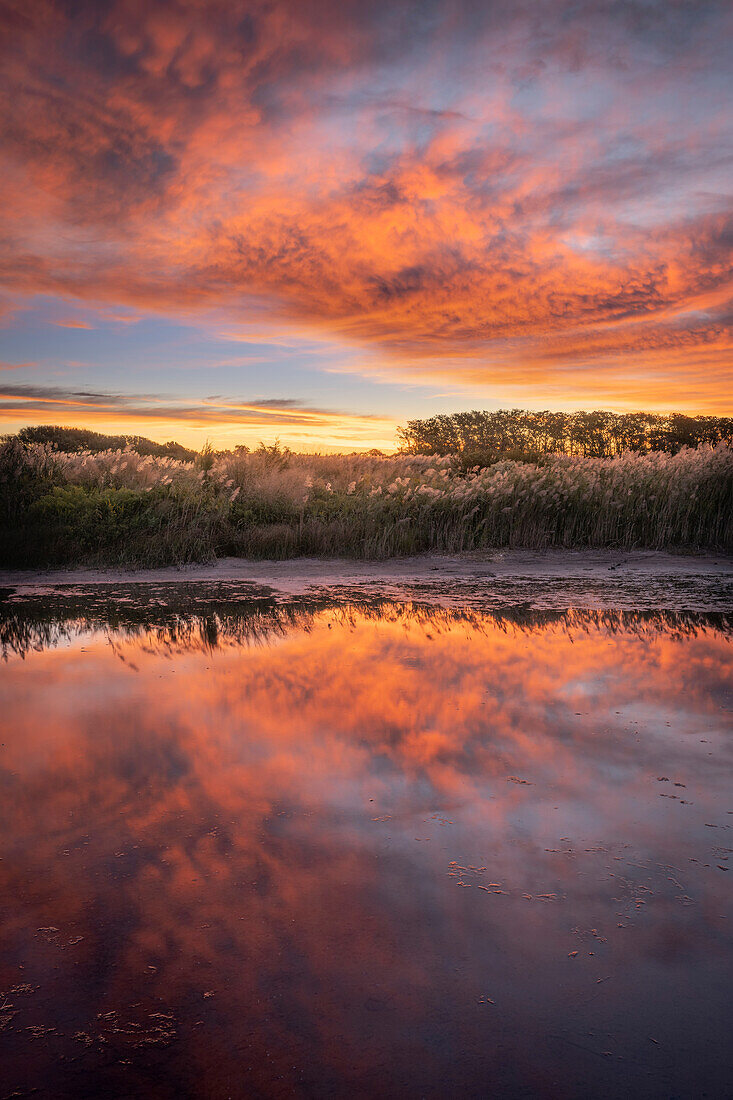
(39, 1030)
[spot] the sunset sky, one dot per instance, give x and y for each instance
(315, 219)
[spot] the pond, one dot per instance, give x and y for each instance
(335, 846)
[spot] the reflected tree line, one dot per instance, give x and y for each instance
(520, 433)
(212, 621)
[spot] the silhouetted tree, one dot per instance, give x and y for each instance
(483, 436)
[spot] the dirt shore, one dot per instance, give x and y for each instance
(299, 572)
(548, 579)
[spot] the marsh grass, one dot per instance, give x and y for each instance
(118, 507)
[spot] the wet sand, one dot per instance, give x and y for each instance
(304, 571)
(542, 579)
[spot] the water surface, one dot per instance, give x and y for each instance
(321, 848)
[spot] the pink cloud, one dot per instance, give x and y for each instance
(555, 206)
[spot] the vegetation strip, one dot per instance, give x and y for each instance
(121, 507)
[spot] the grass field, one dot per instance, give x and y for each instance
(119, 507)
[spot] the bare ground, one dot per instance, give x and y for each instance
(547, 579)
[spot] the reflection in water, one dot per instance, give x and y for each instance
(313, 850)
(205, 615)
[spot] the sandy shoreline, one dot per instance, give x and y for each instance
(553, 579)
(298, 572)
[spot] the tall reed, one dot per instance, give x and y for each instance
(121, 506)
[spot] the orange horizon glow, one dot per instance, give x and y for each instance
(304, 432)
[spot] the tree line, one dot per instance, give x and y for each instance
(522, 434)
(73, 440)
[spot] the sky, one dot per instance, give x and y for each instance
(238, 220)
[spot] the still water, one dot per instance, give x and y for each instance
(367, 848)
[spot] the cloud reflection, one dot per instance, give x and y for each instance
(303, 821)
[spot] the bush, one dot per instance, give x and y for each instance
(73, 440)
(74, 524)
(24, 477)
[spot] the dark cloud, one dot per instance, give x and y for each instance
(273, 412)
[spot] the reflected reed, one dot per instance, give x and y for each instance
(204, 616)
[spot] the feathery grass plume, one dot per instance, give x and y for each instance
(119, 506)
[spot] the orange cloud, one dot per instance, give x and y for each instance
(73, 322)
(547, 217)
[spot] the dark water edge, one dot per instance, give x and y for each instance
(342, 843)
(203, 616)
(36, 614)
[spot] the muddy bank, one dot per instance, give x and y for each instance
(547, 579)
